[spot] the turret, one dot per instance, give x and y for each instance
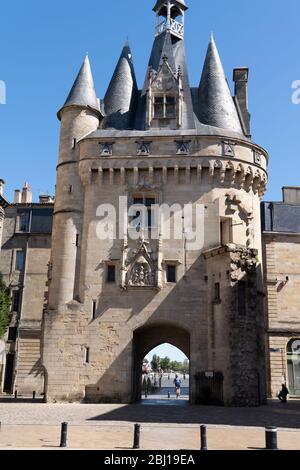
(79, 116)
(121, 97)
(216, 105)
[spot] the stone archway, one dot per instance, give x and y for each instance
(147, 338)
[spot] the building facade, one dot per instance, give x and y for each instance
(281, 251)
(119, 289)
(24, 264)
(155, 237)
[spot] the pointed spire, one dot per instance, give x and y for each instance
(121, 95)
(83, 91)
(216, 105)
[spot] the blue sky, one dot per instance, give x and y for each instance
(167, 350)
(43, 45)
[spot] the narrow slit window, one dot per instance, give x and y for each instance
(87, 355)
(74, 143)
(217, 296)
(77, 240)
(94, 309)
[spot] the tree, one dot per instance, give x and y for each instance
(155, 363)
(176, 366)
(165, 363)
(4, 308)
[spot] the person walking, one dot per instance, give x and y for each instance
(177, 383)
(282, 395)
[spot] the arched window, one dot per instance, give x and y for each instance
(293, 362)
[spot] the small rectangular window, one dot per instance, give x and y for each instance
(87, 355)
(12, 334)
(170, 107)
(94, 309)
(74, 143)
(77, 240)
(24, 223)
(111, 274)
(242, 298)
(158, 107)
(217, 296)
(20, 259)
(171, 273)
(15, 301)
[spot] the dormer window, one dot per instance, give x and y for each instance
(164, 107)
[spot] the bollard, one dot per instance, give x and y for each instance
(64, 434)
(137, 436)
(33, 395)
(16, 394)
(203, 438)
(271, 438)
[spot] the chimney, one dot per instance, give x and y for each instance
(45, 199)
(26, 194)
(240, 78)
(2, 183)
(291, 194)
(17, 197)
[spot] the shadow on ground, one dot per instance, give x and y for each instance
(274, 414)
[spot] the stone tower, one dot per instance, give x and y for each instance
(156, 233)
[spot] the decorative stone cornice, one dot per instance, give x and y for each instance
(221, 172)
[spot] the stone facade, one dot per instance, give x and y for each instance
(281, 248)
(147, 147)
(24, 261)
(111, 299)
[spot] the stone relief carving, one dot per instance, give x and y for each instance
(139, 267)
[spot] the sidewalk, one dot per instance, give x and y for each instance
(153, 437)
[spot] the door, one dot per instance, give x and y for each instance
(9, 373)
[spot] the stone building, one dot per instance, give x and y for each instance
(118, 290)
(281, 251)
(24, 262)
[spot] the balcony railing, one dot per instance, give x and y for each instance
(172, 25)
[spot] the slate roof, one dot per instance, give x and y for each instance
(216, 106)
(207, 110)
(120, 100)
(83, 91)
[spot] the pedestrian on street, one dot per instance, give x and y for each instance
(177, 383)
(282, 395)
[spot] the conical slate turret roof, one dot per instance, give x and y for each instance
(121, 95)
(83, 92)
(216, 105)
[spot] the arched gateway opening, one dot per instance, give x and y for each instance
(146, 338)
